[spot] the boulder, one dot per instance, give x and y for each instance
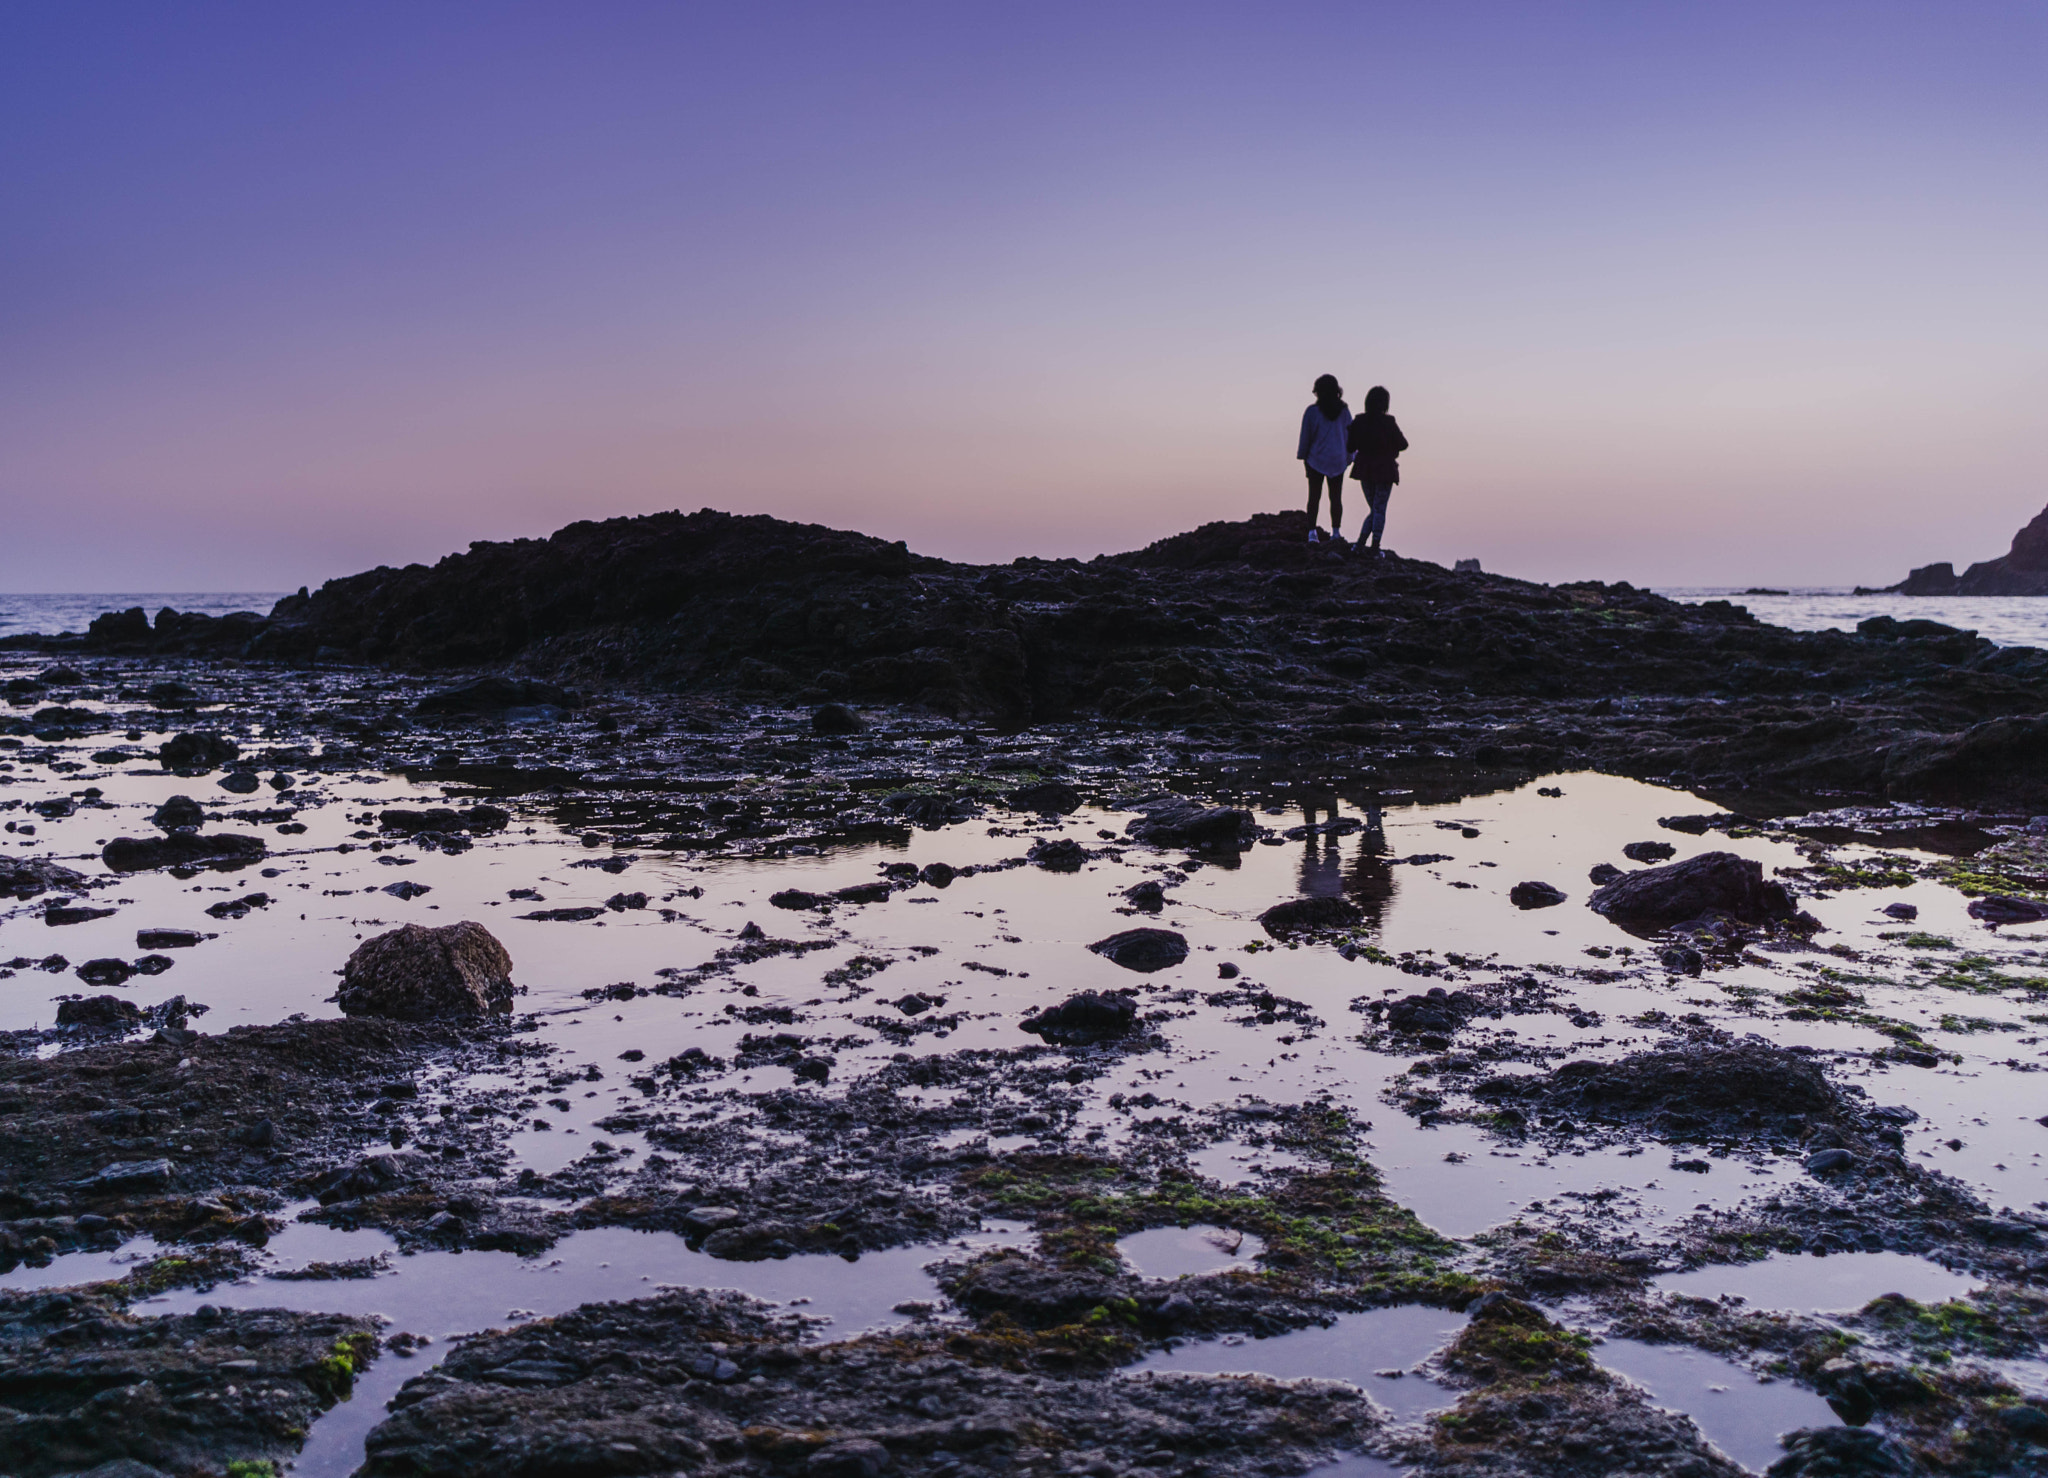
(1091, 1016)
(421, 974)
(836, 719)
(1047, 798)
(1535, 895)
(178, 811)
(1437, 1013)
(938, 874)
(1999, 909)
(167, 938)
(1649, 851)
(130, 1175)
(1149, 895)
(101, 1013)
(1182, 823)
(200, 750)
(1143, 950)
(101, 972)
(1058, 854)
(1303, 915)
(1685, 890)
(139, 854)
(24, 877)
(1841, 1452)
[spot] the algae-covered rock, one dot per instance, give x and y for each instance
(421, 974)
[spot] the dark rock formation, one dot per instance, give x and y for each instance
(1143, 950)
(178, 811)
(24, 877)
(1090, 1016)
(139, 854)
(1535, 895)
(1303, 915)
(421, 974)
(199, 751)
(1685, 890)
(2022, 570)
(1239, 629)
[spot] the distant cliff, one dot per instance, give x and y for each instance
(2022, 571)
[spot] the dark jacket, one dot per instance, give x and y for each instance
(1374, 442)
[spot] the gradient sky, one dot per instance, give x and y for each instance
(1676, 293)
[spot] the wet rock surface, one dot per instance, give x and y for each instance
(709, 1059)
(421, 974)
(84, 1383)
(718, 1384)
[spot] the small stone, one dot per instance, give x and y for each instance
(1535, 895)
(1649, 851)
(1901, 911)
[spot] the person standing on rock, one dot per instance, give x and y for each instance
(1325, 427)
(1375, 442)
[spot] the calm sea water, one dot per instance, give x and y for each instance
(2009, 620)
(48, 614)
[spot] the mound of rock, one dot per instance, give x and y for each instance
(421, 974)
(199, 751)
(1752, 1082)
(181, 849)
(1047, 798)
(1182, 823)
(445, 819)
(179, 812)
(1143, 950)
(1305, 915)
(1685, 890)
(99, 1013)
(1091, 1016)
(24, 877)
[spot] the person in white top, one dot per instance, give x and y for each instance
(1325, 427)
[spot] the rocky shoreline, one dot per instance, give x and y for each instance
(823, 1112)
(1236, 633)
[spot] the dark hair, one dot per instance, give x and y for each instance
(1329, 395)
(1376, 401)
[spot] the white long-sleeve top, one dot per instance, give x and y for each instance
(1323, 441)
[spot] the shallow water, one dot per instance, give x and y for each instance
(1374, 1351)
(1187, 1252)
(2009, 620)
(1840, 1282)
(1000, 944)
(1737, 1411)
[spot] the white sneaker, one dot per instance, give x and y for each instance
(1315, 536)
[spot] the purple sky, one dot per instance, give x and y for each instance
(1677, 293)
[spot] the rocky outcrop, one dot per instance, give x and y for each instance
(1686, 890)
(2022, 570)
(181, 848)
(24, 877)
(421, 974)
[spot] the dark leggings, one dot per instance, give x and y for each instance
(1315, 498)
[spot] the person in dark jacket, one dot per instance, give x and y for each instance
(1375, 443)
(1325, 448)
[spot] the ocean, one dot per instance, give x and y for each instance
(2011, 621)
(49, 614)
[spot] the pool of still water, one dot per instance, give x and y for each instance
(1432, 878)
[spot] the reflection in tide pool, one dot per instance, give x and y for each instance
(1371, 1350)
(1187, 1252)
(1845, 1280)
(1738, 1413)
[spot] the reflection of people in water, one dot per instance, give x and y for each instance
(1322, 866)
(1371, 883)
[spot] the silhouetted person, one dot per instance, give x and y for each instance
(1325, 449)
(1375, 443)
